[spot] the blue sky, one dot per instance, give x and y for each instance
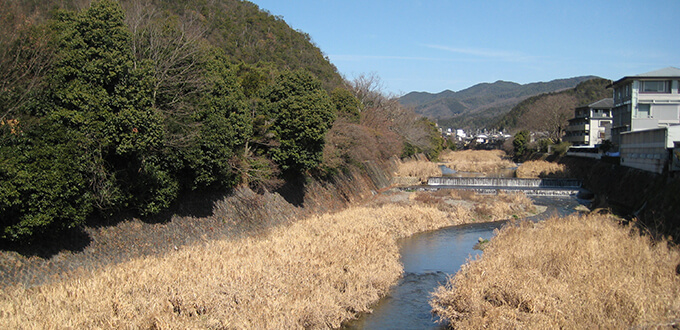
(445, 44)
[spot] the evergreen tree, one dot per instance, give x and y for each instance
(93, 140)
(346, 104)
(520, 144)
(225, 128)
(97, 91)
(302, 113)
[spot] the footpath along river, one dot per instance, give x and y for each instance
(429, 258)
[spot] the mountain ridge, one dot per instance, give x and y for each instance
(481, 104)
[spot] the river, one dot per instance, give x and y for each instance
(429, 258)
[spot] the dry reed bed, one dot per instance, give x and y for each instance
(421, 169)
(482, 161)
(576, 273)
(541, 169)
(316, 272)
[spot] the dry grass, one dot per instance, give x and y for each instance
(314, 273)
(421, 169)
(575, 273)
(499, 206)
(541, 169)
(482, 207)
(483, 161)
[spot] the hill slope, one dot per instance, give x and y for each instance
(549, 111)
(245, 32)
(116, 106)
(479, 105)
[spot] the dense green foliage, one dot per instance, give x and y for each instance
(127, 105)
(95, 135)
(302, 113)
(346, 104)
(520, 144)
(116, 121)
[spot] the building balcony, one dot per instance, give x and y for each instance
(578, 128)
(577, 139)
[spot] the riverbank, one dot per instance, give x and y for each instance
(199, 218)
(574, 272)
(315, 272)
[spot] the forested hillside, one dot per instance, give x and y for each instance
(480, 105)
(550, 112)
(109, 106)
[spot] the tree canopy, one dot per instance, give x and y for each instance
(127, 105)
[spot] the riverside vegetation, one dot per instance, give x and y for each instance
(316, 272)
(127, 107)
(482, 161)
(579, 272)
(541, 169)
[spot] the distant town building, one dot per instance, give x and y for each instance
(591, 124)
(461, 134)
(646, 101)
(481, 138)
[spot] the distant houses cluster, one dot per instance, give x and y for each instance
(641, 122)
(482, 139)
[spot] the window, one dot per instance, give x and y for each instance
(655, 86)
(643, 110)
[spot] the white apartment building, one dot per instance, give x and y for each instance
(646, 101)
(591, 124)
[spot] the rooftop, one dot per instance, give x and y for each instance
(606, 103)
(669, 72)
(665, 72)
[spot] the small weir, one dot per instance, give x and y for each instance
(492, 185)
(505, 182)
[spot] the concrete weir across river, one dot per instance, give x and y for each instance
(487, 185)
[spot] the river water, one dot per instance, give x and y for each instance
(429, 258)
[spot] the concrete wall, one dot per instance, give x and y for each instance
(645, 150)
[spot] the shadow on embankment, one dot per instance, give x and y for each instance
(197, 217)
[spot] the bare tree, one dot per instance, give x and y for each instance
(550, 114)
(368, 89)
(25, 56)
(173, 45)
